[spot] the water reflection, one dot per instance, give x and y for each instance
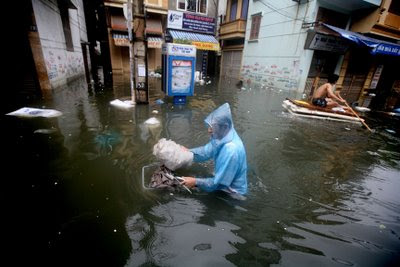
(175, 236)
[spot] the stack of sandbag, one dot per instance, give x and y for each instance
(172, 155)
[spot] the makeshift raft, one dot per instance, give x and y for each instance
(308, 110)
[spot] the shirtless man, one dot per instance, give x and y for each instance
(325, 97)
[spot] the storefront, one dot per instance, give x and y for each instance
(118, 41)
(155, 39)
(371, 74)
(186, 28)
(364, 64)
(329, 49)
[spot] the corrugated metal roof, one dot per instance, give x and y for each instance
(191, 36)
(154, 39)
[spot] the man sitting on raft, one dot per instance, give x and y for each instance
(325, 97)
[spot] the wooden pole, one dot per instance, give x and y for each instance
(131, 51)
(355, 113)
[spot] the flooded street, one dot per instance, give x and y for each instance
(320, 193)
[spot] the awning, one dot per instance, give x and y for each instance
(377, 46)
(118, 22)
(201, 41)
(153, 26)
(120, 39)
(154, 42)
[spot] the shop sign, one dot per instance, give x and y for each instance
(375, 78)
(317, 41)
(387, 49)
(186, 21)
(179, 50)
(154, 43)
(121, 41)
(206, 46)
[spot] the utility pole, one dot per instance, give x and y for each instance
(131, 51)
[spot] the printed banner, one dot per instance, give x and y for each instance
(186, 21)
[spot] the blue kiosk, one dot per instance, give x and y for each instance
(178, 68)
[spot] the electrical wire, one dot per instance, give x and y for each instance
(279, 12)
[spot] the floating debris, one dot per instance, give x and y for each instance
(201, 247)
(35, 112)
(122, 104)
(45, 131)
(372, 153)
(152, 121)
(344, 262)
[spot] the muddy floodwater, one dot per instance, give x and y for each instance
(320, 193)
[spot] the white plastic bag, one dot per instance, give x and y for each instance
(35, 112)
(172, 155)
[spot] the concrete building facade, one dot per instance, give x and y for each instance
(58, 41)
(232, 33)
(273, 53)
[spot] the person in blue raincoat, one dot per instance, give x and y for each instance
(228, 152)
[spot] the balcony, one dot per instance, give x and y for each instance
(379, 22)
(156, 6)
(349, 6)
(233, 29)
(390, 20)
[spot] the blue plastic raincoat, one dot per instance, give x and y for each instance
(227, 151)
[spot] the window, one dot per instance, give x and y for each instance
(191, 5)
(202, 6)
(66, 26)
(395, 7)
(196, 6)
(233, 11)
(245, 6)
(255, 26)
(181, 4)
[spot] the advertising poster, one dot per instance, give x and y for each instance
(181, 76)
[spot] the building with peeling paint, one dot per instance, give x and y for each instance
(58, 39)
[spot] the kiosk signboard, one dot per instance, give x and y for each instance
(178, 62)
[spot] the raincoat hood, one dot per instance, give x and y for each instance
(220, 120)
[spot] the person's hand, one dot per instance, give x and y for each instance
(189, 182)
(184, 148)
(343, 101)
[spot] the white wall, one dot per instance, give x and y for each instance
(278, 58)
(221, 11)
(60, 63)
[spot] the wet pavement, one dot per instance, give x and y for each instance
(320, 193)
